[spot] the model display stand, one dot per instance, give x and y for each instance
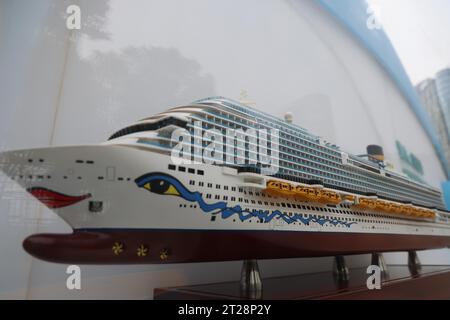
(399, 282)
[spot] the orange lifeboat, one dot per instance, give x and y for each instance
(366, 203)
(348, 197)
(273, 188)
(382, 206)
(313, 195)
(287, 190)
(301, 193)
(396, 208)
(329, 197)
(407, 210)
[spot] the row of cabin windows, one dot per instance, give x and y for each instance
(291, 134)
(348, 182)
(385, 188)
(270, 122)
(243, 124)
(210, 185)
(184, 169)
(357, 178)
(83, 161)
(31, 160)
(190, 206)
(282, 204)
(303, 207)
(41, 177)
(260, 220)
(313, 147)
(337, 171)
(218, 186)
(302, 147)
(118, 178)
(290, 214)
(381, 187)
(359, 185)
(311, 153)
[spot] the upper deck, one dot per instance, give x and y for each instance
(301, 155)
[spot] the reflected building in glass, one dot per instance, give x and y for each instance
(443, 91)
(435, 95)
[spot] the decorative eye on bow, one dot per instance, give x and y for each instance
(159, 184)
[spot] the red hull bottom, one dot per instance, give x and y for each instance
(175, 246)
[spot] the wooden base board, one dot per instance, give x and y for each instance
(432, 282)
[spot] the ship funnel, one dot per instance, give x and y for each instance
(288, 117)
(375, 153)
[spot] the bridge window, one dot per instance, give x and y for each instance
(149, 126)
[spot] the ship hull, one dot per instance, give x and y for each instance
(181, 246)
(128, 205)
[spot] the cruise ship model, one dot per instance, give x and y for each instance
(128, 200)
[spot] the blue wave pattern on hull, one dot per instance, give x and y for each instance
(222, 207)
